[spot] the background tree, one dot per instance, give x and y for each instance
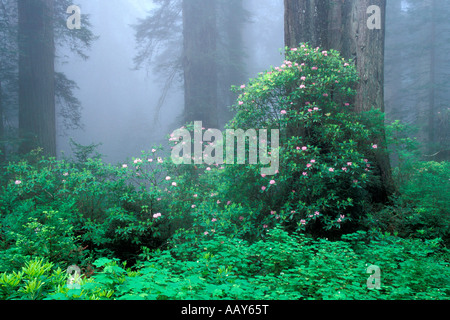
(416, 67)
(37, 122)
(67, 106)
(199, 43)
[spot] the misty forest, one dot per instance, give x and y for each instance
(224, 150)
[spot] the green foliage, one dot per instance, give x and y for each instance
(227, 231)
(327, 170)
(283, 266)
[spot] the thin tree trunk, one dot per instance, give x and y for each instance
(36, 76)
(200, 70)
(432, 98)
(2, 129)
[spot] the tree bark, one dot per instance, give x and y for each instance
(2, 130)
(342, 25)
(37, 76)
(200, 69)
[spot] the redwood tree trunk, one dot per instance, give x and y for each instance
(200, 70)
(36, 76)
(2, 129)
(342, 25)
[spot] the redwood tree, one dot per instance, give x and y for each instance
(37, 76)
(344, 26)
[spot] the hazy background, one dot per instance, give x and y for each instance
(119, 102)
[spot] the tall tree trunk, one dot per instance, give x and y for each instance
(200, 70)
(342, 25)
(432, 95)
(2, 129)
(36, 76)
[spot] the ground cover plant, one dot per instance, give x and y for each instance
(150, 229)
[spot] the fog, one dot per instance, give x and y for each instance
(118, 101)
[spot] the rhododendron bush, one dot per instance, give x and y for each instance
(326, 150)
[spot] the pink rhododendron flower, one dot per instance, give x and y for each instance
(213, 219)
(283, 112)
(309, 165)
(303, 78)
(17, 182)
(331, 169)
(313, 161)
(157, 215)
(375, 146)
(304, 148)
(174, 184)
(272, 182)
(241, 103)
(302, 86)
(243, 86)
(263, 188)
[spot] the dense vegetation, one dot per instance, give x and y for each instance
(150, 229)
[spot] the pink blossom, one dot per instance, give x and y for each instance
(304, 148)
(294, 49)
(325, 94)
(265, 226)
(303, 78)
(195, 195)
(331, 169)
(17, 182)
(157, 215)
(313, 161)
(344, 169)
(218, 201)
(272, 212)
(263, 175)
(349, 163)
(375, 146)
(317, 213)
(272, 182)
(241, 103)
(243, 86)
(347, 104)
(316, 109)
(193, 206)
(305, 174)
(153, 150)
(205, 233)
(310, 110)
(241, 218)
(263, 188)
(167, 178)
(302, 86)
(298, 148)
(124, 166)
(315, 68)
(309, 165)
(174, 184)
(283, 112)
(303, 222)
(214, 220)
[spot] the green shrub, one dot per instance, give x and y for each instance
(327, 170)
